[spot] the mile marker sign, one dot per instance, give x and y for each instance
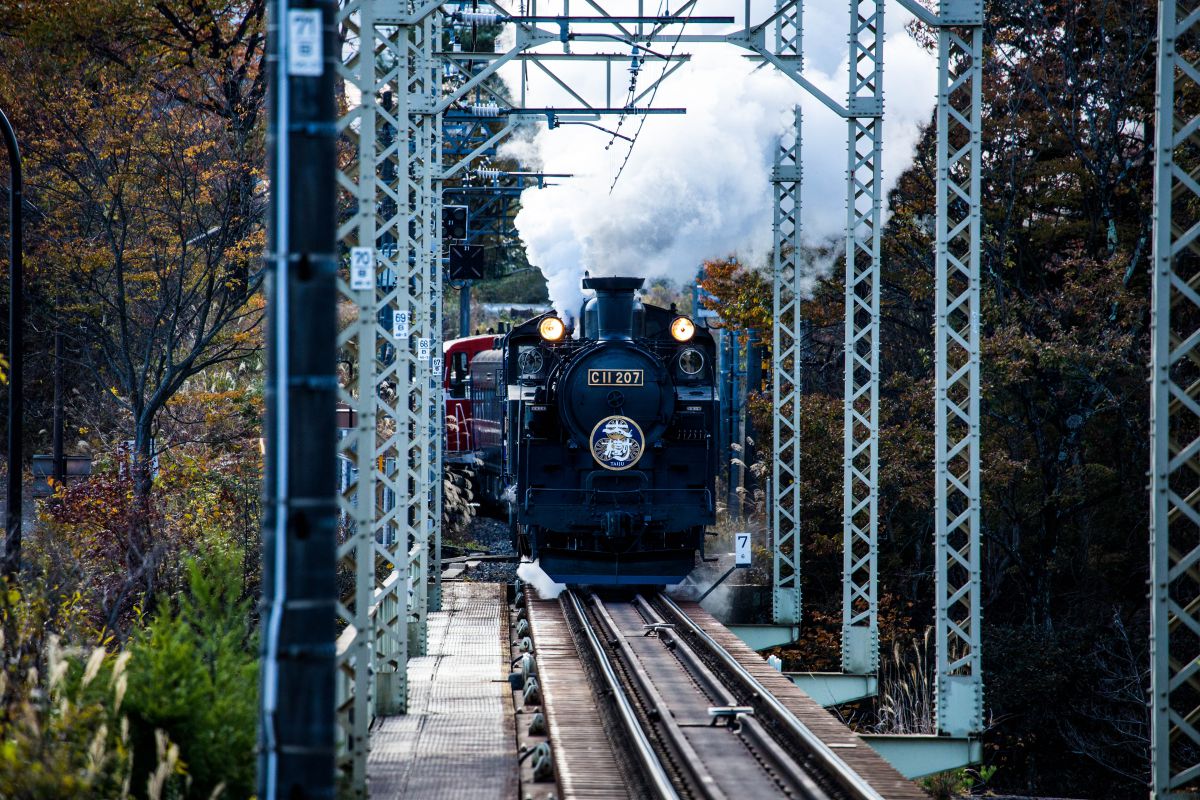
(741, 549)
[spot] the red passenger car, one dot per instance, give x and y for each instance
(457, 355)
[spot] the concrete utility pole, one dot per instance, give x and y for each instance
(297, 720)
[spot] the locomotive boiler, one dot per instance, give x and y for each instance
(602, 439)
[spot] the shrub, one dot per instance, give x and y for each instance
(194, 676)
(62, 731)
(62, 735)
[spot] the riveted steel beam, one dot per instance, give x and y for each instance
(860, 460)
(787, 344)
(956, 394)
(1175, 413)
(358, 234)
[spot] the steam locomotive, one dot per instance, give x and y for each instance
(600, 441)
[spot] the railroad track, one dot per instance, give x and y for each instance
(690, 718)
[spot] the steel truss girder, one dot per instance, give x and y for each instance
(392, 507)
(860, 460)
(1175, 413)
(357, 657)
(418, 290)
(956, 394)
(787, 346)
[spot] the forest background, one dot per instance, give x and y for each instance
(142, 124)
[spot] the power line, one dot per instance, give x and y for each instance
(650, 102)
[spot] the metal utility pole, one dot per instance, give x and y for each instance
(860, 458)
(56, 433)
(729, 414)
(464, 309)
(16, 349)
(786, 352)
(369, 337)
(957, 557)
(1174, 393)
(296, 725)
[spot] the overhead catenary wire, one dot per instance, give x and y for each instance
(650, 102)
(635, 68)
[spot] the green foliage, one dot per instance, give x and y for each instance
(520, 287)
(170, 716)
(194, 675)
(83, 536)
(956, 783)
(61, 732)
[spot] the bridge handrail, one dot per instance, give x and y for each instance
(384, 614)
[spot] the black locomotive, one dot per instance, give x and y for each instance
(601, 440)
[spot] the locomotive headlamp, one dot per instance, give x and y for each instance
(682, 329)
(531, 361)
(691, 361)
(552, 329)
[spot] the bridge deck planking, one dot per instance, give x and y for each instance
(457, 740)
(583, 757)
(857, 754)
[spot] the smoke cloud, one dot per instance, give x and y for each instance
(697, 186)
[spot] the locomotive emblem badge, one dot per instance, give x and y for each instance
(617, 442)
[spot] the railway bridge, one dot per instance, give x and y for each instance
(416, 112)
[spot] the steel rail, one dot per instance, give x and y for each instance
(690, 762)
(751, 729)
(838, 769)
(656, 774)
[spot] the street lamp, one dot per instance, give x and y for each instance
(16, 313)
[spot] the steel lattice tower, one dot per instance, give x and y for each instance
(1175, 413)
(956, 398)
(787, 343)
(860, 491)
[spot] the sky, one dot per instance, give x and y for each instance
(697, 186)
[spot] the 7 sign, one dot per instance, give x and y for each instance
(305, 51)
(741, 549)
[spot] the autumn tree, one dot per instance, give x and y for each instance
(144, 151)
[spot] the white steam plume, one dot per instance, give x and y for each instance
(697, 186)
(531, 573)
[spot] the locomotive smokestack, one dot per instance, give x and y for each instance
(614, 306)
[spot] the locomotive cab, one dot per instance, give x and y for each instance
(606, 440)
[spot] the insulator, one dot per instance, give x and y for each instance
(488, 173)
(485, 109)
(479, 17)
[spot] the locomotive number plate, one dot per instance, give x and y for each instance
(614, 377)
